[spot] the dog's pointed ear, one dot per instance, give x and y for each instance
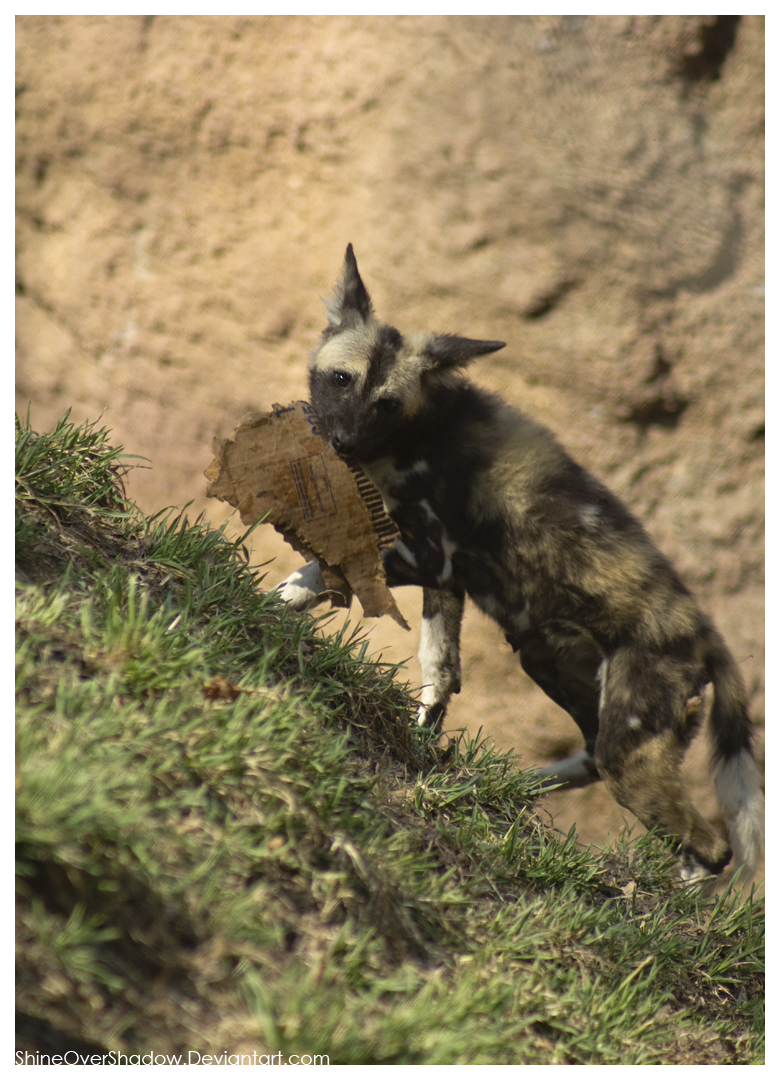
(450, 351)
(350, 304)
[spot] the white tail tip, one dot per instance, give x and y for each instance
(738, 787)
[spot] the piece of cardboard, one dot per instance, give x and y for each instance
(277, 465)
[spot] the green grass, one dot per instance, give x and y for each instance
(231, 837)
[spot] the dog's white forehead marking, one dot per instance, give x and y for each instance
(347, 351)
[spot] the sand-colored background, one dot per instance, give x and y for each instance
(589, 190)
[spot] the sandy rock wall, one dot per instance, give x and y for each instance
(589, 190)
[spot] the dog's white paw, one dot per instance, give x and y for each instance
(431, 715)
(304, 588)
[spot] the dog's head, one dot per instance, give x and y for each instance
(367, 382)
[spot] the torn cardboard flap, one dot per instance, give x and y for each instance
(277, 465)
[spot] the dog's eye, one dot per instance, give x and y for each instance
(342, 378)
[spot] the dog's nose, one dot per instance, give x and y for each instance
(341, 441)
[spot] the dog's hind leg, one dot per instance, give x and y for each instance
(648, 782)
(568, 674)
(579, 770)
(439, 653)
(646, 724)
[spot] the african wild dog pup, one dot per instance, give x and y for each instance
(490, 506)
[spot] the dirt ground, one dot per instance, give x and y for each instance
(587, 189)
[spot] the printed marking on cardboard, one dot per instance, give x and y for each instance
(314, 491)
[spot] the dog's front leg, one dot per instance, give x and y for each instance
(304, 588)
(418, 556)
(439, 653)
(403, 565)
(314, 584)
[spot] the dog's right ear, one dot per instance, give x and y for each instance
(446, 351)
(350, 305)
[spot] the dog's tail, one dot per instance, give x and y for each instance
(737, 779)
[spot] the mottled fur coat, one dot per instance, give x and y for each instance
(490, 506)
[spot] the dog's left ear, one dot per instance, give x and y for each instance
(449, 351)
(350, 305)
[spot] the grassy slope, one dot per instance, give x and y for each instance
(231, 837)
